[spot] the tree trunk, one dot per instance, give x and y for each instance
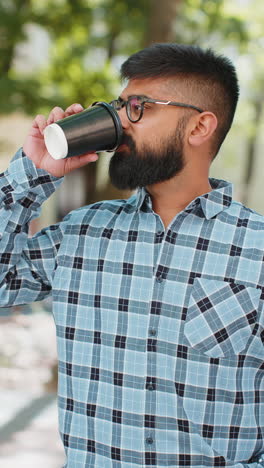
(252, 150)
(11, 37)
(161, 21)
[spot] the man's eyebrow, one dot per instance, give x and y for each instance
(134, 95)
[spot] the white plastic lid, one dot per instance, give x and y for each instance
(55, 141)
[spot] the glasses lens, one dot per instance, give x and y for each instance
(134, 108)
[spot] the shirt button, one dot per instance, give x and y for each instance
(149, 440)
(152, 332)
(150, 387)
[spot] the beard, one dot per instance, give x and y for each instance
(133, 168)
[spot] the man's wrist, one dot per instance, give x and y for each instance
(23, 176)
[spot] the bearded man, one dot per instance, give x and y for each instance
(158, 299)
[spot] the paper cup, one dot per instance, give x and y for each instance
(95, 129)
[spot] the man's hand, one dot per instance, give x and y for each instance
(34, 146)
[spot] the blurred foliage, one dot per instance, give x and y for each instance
(85, 36)
(204, 20)
(89, 39)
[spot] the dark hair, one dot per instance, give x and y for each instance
(210, 79)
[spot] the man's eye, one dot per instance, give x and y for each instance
(135, 105)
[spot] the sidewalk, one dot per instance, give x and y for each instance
(29, 435)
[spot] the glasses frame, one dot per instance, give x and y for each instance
(119, 103)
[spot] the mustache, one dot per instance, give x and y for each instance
(128, 141)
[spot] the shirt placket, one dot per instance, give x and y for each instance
(159, 276)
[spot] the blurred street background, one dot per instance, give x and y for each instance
(57, 52)
(28, 413)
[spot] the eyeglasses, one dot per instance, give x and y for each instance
(135, 106)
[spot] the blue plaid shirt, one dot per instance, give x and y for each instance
(159, 332)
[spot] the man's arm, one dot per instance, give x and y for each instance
(27, 264)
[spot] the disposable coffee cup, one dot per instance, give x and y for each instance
(96, 129)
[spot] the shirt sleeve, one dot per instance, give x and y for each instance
(26, 264)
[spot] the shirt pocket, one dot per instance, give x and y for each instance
(220, 317)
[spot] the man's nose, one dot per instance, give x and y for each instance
(123, 117)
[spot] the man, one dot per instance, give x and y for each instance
(158, 300)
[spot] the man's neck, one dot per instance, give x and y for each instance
(172, 196)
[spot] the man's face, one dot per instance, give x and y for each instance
(152, 149)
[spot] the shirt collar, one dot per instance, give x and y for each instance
(142, 197)
(212, 203)
(219, 199)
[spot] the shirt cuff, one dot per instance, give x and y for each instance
(23, 176)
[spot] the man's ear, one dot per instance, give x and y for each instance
(202, 128)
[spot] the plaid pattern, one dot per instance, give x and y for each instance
(160, 333)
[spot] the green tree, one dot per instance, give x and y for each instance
(90, 38)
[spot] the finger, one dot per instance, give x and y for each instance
(56, 114)
(39, 123)
(80, 161)
(84, 159)
(74, 109)
(89, 157)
